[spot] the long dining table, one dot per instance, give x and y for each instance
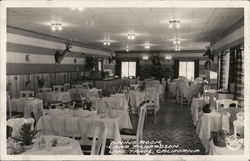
(70, 123)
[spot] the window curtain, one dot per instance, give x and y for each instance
(176, 69)
(232, 71)
(137, 73)
(224, 69)
(118, 67)
(239, 87)
(196, 69)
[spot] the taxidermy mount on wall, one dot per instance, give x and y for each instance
(155, 59)
(60, 56)
(209, 54)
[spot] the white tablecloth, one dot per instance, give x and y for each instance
(16, 124)
(54, 96)
(196, 107)
(215, 150)
(207, 123)
(190, 91)
(76, 92)
(68, 124)
(65, 146)
(172, 88)
(137, 97)
(28, 105)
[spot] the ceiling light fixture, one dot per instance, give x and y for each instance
(106, 43)
(127, 48)
(131, 36)
(177, 47)
(147, 45)
(56, 26)
(177, 42)
(177, 23)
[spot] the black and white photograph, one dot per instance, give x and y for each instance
(125, 80)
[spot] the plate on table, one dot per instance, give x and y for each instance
(233, 142)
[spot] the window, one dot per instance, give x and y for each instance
(186, 69)
(99, 65)
(128, 69)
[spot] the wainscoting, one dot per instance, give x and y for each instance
(17, 83)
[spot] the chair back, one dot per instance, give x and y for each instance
(9, 106)
(58, 88)
(66, 86)
(225, 96)
(164, 83)
(16, 124)
(226, 103)
(77, 86)
(40, 90)
(225, 121)
(99, 139)
(87, 85)
(26, 94)
(139, 132)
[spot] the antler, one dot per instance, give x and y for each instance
(68, 44)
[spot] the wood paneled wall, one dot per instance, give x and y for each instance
(17, 83)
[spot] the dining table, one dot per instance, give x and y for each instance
(54, 96)
(28, 106)
(76, 93)
(207, 123)
(172, 88)
(70, 122)
(64, 146)
(216, 150)
(137, 97)
(196, 106)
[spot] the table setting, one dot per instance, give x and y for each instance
(46, 145)
(66, 122)
(28, 106)
(63, 97)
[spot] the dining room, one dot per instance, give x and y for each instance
(127, 80)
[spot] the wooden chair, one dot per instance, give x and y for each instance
(26, 94)
(99, 139)
(58, 88)
(40, 90)
(66, 86)
(226, 103)
(77, 86)
(225, 96)
(9, 106)
(87, 85)
(131, 134)
(95, 130)
(134, 86)
(183, 100)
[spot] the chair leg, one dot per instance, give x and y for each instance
(155, 117)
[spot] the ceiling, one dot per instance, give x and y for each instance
(199, 26)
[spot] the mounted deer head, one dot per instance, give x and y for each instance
(112, 58)
(60, 56)
(209, 54)
(155, 59)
